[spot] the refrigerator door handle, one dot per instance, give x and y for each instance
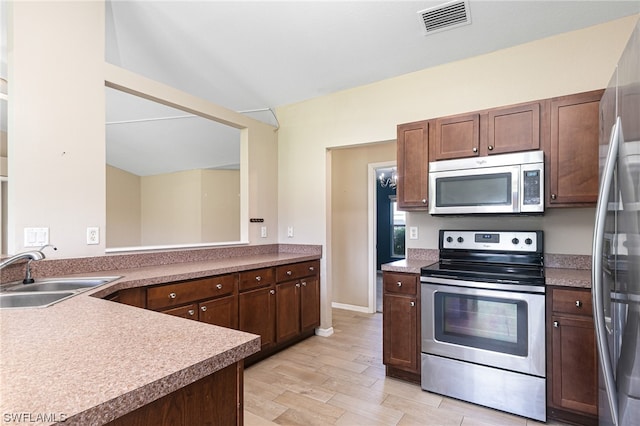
(596, 271)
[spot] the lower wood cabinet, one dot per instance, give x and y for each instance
(213, 400)
(280, 304)
(401, 325)
(257, 314)
(572, 363)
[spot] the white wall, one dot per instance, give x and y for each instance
(56, 128)
(568, 63)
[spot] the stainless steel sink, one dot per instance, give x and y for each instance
(46, 292)
(61, 284)
(27, 300)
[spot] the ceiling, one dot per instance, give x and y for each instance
(254, 56)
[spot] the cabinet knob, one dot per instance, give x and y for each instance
(556, 324)
(554, 196)
(490, 147)
(272, 292)
(258, 278)
(424, 201)
(578, 304)
(475, 149)
(289, 272)
(304, 283)
(311, 268)
(399, 284)
(412, 304)
(191, 312)
(203, 308)
(219, 286)
(298, 285)
(172, 295)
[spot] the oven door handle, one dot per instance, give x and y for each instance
(597, 271)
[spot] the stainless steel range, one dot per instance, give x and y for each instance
(483, 320)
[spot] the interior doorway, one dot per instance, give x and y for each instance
(389, 223)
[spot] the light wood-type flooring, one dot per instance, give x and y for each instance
(340, 380)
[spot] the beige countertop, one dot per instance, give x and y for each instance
(86, 360)
(564, 277)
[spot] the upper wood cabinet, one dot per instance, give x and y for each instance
(572, 150)
(456, 137)
(514, 128)
(413, 165)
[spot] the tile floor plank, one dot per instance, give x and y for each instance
(340, 380)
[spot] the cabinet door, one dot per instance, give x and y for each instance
(514, 128)
(256, 314)
(187, 311)
(573, 150)
(222, 312)
(399, 332)
(456, 137)
(287, 310)
(413, 166)
(574, 363)
(310, 303)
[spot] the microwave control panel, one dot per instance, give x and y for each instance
(531, 187)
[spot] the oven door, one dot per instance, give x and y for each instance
(480, 190)
(503, 329)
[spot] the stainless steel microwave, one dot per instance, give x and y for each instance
(496, 184)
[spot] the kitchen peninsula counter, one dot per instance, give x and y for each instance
(86, 360)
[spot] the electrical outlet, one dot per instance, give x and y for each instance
(413, 232)
(93, 235)
(263, 232)
(290, 232)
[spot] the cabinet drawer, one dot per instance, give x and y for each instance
(400, 283)
(576, 302)
(297, 270)
(176, 294)
(255, 279)
(187, 311)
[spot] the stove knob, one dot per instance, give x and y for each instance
(449, 239)
(515, 241)
(528, 241)
(460, 239)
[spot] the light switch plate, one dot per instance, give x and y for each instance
(413, 232)
(36, 237)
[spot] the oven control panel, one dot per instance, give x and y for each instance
(527, 241)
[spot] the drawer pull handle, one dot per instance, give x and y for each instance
(191, 312)
(272, 292)
(258, 278)
(399, 284)
(172, 295)
(556, 324)
(219, 286)
(412, 304)
(578, 304)
(289, 272)
(203, 308)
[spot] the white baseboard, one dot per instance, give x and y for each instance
(356, 308)
(324, 332)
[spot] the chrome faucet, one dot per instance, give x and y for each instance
(28, 256)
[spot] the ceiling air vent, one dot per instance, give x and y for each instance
(445, 17)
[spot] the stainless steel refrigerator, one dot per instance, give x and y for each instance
(616, 244)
